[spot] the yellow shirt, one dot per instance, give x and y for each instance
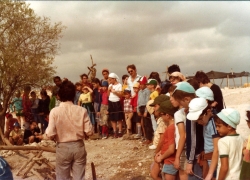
(14, 133)
(153, 95)
(85, 98)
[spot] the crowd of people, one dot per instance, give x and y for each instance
(185, 122)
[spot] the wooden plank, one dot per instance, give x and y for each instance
(48, 149)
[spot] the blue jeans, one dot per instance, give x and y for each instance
(197, 170)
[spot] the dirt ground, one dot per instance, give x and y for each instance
(113, 159)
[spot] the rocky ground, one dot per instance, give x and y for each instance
(113, 159)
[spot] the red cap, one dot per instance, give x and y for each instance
(8, 115)
(143, 80)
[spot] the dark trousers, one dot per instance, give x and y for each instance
(147, 124)
(133, 122)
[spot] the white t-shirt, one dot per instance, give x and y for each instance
(179, 117)
(231, 147)
(112, 96)
(131, 84)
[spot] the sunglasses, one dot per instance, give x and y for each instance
(130, 71)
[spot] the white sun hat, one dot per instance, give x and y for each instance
(196, 106)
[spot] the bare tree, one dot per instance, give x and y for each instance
(28, 45)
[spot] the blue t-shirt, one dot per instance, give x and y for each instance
(209, 132)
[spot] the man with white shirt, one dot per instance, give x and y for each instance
(69, 124)
(133, 78)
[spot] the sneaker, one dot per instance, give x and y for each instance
(137, 136)
(104, 137)
(152, 147)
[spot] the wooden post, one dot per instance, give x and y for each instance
(221, 82)
(234, 82)
(227, 82)
(31, 165)
(25, 164)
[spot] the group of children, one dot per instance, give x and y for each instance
(198, 144)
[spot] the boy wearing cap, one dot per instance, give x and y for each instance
(143, 97)
(198, 111)
(151, 85)
(230, 146)
(16, 135)
(167, 152)
(161, 126)
(184, 93)
(136, 121)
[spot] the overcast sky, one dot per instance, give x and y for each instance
(152, 35)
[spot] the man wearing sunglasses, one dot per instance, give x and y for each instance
(133, 78)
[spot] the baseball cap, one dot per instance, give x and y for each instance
(196, 106)
(205, 92)
(150, 108)
(184, 86)
(8, 115)
(152, 82)
(167, 107)
(143, 80)
(230, 116)
(105, 83)
(16, 124)
(159, 99)
(136, 85)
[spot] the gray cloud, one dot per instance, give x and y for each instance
(152, 35)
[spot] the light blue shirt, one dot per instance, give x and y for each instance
(209, 132)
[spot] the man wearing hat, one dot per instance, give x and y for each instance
(9, 124)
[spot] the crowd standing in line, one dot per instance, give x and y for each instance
(184, 121)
